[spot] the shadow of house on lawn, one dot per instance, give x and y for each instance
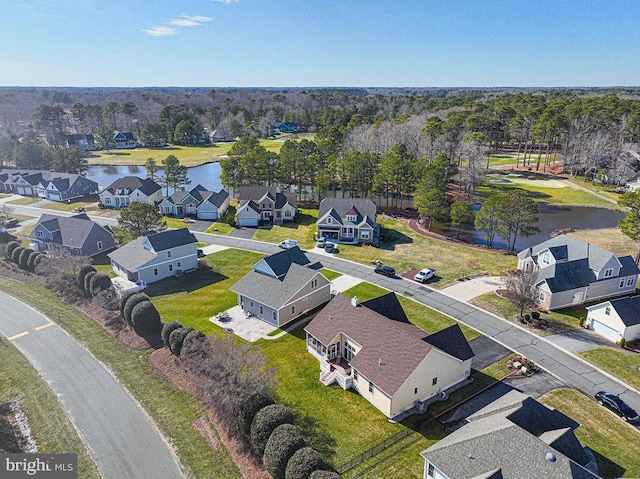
(185, 284)
(606, 467)
(316, 437)
(390, 238)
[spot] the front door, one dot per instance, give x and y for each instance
(577, 298)
(332, 353)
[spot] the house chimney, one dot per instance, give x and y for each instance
(355, 302)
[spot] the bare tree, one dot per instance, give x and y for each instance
(521, 288)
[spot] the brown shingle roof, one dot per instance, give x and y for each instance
(390, 352)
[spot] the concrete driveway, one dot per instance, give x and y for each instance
(200, 225)
(242, 232)
(467, 290)
(578, 340)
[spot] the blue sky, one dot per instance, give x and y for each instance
(421, 43)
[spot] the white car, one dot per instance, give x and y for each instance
(289, 243)
(424, 275)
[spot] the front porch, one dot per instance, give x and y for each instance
(337, 370)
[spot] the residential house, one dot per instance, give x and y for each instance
(282, 287)
(616, 319)
(81, 141)
(198, 202)
(514, 437)
(264, 205)
(78, 235)
(122, 140)
(570, 271)
(150, 258)
(50, 185)
(351, 221)
(128, 189)
(285, 127)
(373, 348)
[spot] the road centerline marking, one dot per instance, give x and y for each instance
(19, 335)
(44, 326)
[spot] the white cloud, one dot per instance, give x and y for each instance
(160, 31)
(225, 1)
(189, 21)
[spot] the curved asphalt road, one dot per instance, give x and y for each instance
(123, 441)
(565, 366)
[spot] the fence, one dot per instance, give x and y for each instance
(374, 451)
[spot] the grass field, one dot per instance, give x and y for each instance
(188, 155)
(607, 191)
(50, 426)
(302, 230)
(610, 440)
(172, 409)
(330, 275)
(621, 364)
(506, 158)
(24, 201)
(610, 239)
(220, 229)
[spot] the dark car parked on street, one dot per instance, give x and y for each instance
(618, 406)
(385, 270)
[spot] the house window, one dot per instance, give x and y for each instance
(261, 310)
(415, 390)
(621, 283)
(293, 309)
(39, 234)
(275, 316)
(349, 352)
(370, 387)
(431, 470)
(434, 381)
(242, 299)
(631, 280)
(607, 310)
(251, 303)
(314, 282)
(107, 201)
(608, 273)
(168, 254)
(351, 218)
(541, 296)
(170, 267)
(355, 375)
(155, 271)
(287, 213)
(545, 258)
(329, 220)
(364, 235)
(99, 245)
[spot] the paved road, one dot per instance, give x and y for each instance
(116, 430)
(562, 364)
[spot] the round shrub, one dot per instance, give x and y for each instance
(267, 419)
(303, 462)
(123, 299)
(249, 408)
(24, 258)
(87, 282)
(31, 262)
(11, 245)
(176, 339)
(145, 317)
(131, 302)
(284, 441)
(82, 272)
(99, 282)
(320, 474)
(167, 329)
(193, 336)
(15, 254)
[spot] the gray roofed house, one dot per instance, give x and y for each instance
(391, 363)
(151, 258)
(50, 185)
(348, 220)
(570, 271)
(616, 319)
(129, 189)
(197, 202)
(271, 206)
(78, 235)
(282, 287)
(484, 446)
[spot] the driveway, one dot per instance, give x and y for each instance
(242, 232)
(200, 225)
(578, 340)
(120, 437)
(487, 352)
(467, 290)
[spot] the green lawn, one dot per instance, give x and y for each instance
(606, 435)
(302, 230)
(25, 200)
(503, 158)
(621, 364)
(172, 409)
(403, 248)
(419, 314)
(220, 229)
(89, 203)
(610, 239)
(559, 321)
(196, 297)
(50, 425)
(188, 155)
(330, 274)
(176, 223)
(607, 191)
(541, 188)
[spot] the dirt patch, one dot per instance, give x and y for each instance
(206, 431)
(8, 439)
(169, 367)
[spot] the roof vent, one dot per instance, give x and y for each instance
(550, 457)
(355, 302)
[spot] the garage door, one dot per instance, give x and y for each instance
(207, 215)
(247, 222)
(609, 333)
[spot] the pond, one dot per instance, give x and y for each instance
(552, 218)
(208, 175)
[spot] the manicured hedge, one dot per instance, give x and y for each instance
(195, 335)
(320, 474)
(303, 463)
(284, 441)
(145, 317)
(82, 272)
(123, 299)
(131, 302)
(249, 408)
(24, 258)
(267, 419)
(176, 339)
(11, 245)
(99, 282)
(31, 262)
(15, 254)
(87, 282)
(167, 329)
